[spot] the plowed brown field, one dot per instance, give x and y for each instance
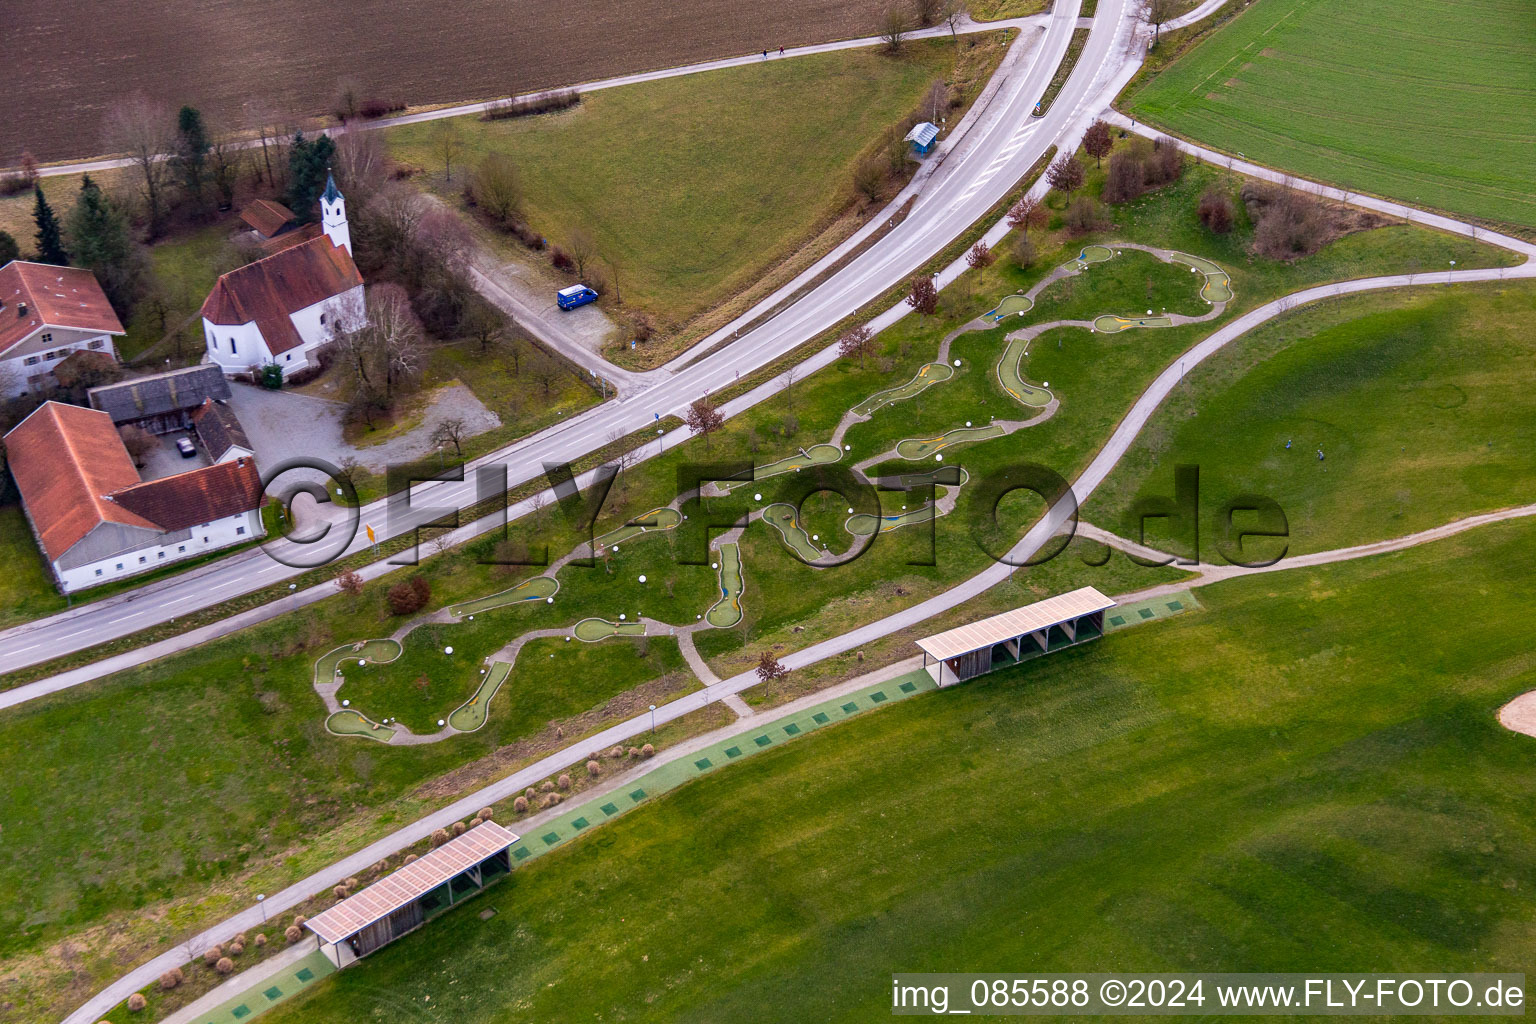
(65, 60)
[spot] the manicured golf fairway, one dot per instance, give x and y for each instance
(1217, 286)
(933, 373)
(348, 722)
(921, 448)
(726, 612)
(862, 525)
(590, 630)
(471, 715)
(786, 520)
(1011, 305)
(1013, 382)
(654, 520)
(537, 589)
(1109, 324)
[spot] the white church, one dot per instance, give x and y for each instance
(281, 308)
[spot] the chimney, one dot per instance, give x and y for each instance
(21, 310)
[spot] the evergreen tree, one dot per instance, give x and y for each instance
(308, 163)
(9, 250)
(102, 243)
(192, 153)
(50, 245)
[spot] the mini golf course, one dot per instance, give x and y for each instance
(921, 448)
(929, 375)
(1013, 382)
(1012, 304)
(537, 589)
(1217, 287)
(471, 715)
(594, 629)
(656, 520)
(348, 722)
(786, 520)
(815, 455)
(1095, 254)
(726, 612)
(862, 525)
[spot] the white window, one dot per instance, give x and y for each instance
(233, 350)
(97, 343)
(34, 360)
(240, 531)
(322, 319)
(181, 550)
(119, 567)
(98, 572)
(46, 339)
(143, 559)
(160, 555)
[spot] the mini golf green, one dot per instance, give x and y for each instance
(1217, 287)
(1110, 324)
(537, 589)
(471, 715)
(930, 374)
(347, 722)
(384, 650)
(954, 476)
(1095, 254)
(786, 520)
(726, 612)
(815, 455)
(862, 525)
(921, 448)
(1010, 305)
(1013, 382)
(654, 520)
(589, 630)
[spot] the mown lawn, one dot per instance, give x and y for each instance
(1286, 781)
(27, 590)
(1364, 96)
(1417, 399)
(692, 187)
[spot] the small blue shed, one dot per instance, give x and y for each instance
(923, 137)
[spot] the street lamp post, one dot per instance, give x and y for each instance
(261, 901)
(653, 719)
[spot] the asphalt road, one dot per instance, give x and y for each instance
(969, 175)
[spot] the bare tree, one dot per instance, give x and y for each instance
(487, 327)
(362, 164)
(546, 373)
(582, 248)
(497, 189)
(923, 295)
(928, 12)
(346, 100)
(138, 441)
(448, 144)
(769, 670)
(226, 160)
(1097, 141)
(704, 419)
(350, 582)
(1159, 11)
(856, 343)
(954, 14)
(143, 130)
(1028, 213)
(893, 27)
(451, 431)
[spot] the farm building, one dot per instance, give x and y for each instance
(923, 136)
(161, 403)
(405, 899)
(48, 314)
(968, 651)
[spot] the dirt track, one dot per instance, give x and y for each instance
(66, 59)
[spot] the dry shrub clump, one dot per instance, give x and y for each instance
(225, 965)
(212, 954)
(410, 858)
(410, 596)
(170, 979)
(594, 769)
(564, 781)
(439, 837)
(1215, 211)
(1142, 167)
(293, 933)
(137, 1002)
(647, 751)
(260, 940)
(520, 805)
(485, 814)
(1084, 216)
(1289, 224)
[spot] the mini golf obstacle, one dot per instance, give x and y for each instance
(786, 519)
(594, 629)
(656, 520)
(471, 715)
(328, 664)
(726, 612)
(1109, 324)
(1217, 286)
(921, 448)
(537, 589)
(932, 373)
(1095, 254)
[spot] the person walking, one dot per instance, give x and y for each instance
(765, 55)
(781, 49)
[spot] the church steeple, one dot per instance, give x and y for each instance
(333, 214)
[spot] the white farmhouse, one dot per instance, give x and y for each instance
(47, 314)
(283, 307)
(96, 521)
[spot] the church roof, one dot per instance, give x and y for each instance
(331, 193)
(266, 217)
(270, 290)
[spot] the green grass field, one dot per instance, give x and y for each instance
(1187, 795)
(1432, 104)
(693, 187)
(1443, 373)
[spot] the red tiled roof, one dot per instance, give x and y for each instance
(410, 882)
(65, 460)
(266, 217)
(271, 289)
(195, 497)
(288, 239)
(54, 297)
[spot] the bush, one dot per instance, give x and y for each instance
(225, 965)
(1024, 251)
(137, 1002)
(260, 940)
(350, 883)
(634, 751)
(237, 949)
(869, 178)
(439, 837)
(530, 793)
(980, 256)
(1126, 178)
(1084, 215)
(411, 596)
(647, 751)
(520, 805)
(475, 823)
(238, 940)
(564, 781)
(1166, 164)
(594, 769)
(1287, 223)
(340, 892)
(410, 858)
(547, 785)
(374, 107)
(211, 956)
(293, 933)
(169, 980)
(561, 260)
(485, 814)
(1216, 212)
(458, 828)
(527, 106)
(299, 919)
(495, 188)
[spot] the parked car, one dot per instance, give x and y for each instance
(575, 295)
(185, 446)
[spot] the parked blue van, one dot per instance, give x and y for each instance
(575, 295)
